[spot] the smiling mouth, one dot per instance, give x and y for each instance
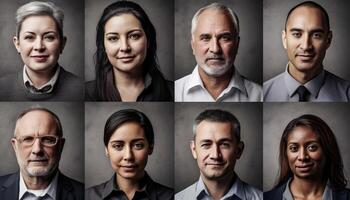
(40, 58)
(126, 58)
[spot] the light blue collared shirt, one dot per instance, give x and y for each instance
(327, 194)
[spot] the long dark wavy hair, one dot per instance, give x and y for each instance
(150, 65)
(334, 164)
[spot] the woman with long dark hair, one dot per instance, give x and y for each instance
(311, 166)
(126, 63)
(129, 140)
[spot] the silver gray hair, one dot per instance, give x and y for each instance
(215, 6)
(37, 8)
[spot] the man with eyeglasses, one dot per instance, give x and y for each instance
(38, 143)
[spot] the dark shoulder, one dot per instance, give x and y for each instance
(276, 193)
(95, 192)
(68, 76)
(90, 91)
(78, 186)
(7, 177)
(163, 192)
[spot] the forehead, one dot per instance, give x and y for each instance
(213, 20)
(36, 122)
(123, 22)
(128, 131)
(307, 17)
(302, 134)
(40, 22)
(207, 130)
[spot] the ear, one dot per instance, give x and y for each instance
(239, 150)
(150, 149)
(14, 144)
(192, 44)
(193, 149)
(106, 152)
(62, 142)
(15, 41)
(284, 40)
(329, 38)
(63, 44)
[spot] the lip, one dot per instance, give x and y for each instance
(305, 167)
(40, 58)
(306, 57)
(126, 58)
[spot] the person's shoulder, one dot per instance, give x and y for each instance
(342, 194)
(68, 76)
(267, 84)
(67, 180)
(187, 193)
(90, 91)
(276, 193)
(7, 177)
(164, 192)
(95, 191)
(253, 89)
(181, 81)
(330, 77)
(252, 192)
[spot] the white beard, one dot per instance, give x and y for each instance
(216, 71)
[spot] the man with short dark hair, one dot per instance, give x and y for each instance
(306, 38)
(38, 143)
(217, 145)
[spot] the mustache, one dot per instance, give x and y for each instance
(40, 158)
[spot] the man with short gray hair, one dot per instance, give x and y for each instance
(215, 41)
(217, 145)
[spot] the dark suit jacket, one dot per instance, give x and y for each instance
(277, 193)
(67, 188)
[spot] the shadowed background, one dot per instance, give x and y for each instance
(249, 56)
(161, 14)
(71, 116)
(248, 167)
(278, 115)
(72, 57)
(275, 58)
(160, 163)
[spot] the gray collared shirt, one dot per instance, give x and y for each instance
(238, 191)
(324, 87)
(287, 194)
(44, 89)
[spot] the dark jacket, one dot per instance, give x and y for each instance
(67, 188)
(277, 193)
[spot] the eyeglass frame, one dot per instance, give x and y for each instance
(20, 140)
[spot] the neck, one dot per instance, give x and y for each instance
(304, 188)
(38, 182)
(215, 85)
(218, 188)
(129, 186)
(304, 76)
(41, 77)
(129, 85)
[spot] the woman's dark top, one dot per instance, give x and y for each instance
(150, 190)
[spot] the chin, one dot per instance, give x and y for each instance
(38, 172)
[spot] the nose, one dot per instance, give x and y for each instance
(303, 155)
(128, 154)
(306, 42)
(215, 46)
(124, 45)
(39, 44)
(215, 153)
(36, 148)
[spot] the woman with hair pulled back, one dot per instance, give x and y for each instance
(126, 66)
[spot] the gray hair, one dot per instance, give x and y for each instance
(36, 8)
(39, 108)
(215, 6)
(219, 116)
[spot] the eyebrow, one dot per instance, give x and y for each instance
(308, 142)
(133, 140)
(116, 33)
(317, 30)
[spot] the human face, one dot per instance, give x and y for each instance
(128, 151)
(306, 40)
(39, 43)
(215, 149)
(305, 154)
(37, 160)
(215, 42)
(125, 43)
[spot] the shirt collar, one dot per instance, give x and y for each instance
(46, 88)
(49, 190)
(327, 193)
(112, 186)
(236, 189)
(314, 85)
(195, 81)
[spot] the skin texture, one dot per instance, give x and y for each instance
(40, 46)
(214, 42)
(128, 151)
(306, 40)
(37, 163)
(307, 161)
(216, 151)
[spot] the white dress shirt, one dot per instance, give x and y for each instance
(49, 193)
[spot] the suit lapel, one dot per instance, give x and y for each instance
(64, 188)
(10, 189)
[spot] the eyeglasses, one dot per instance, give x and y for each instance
(45, 140)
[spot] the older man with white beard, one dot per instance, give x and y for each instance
(215, 41)
(38, 143)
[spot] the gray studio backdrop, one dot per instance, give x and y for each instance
(161, 14)
(249, 57)
(160, 164)
(278, 115)
(337, 57)
(72, 57)
(248, 167)
(72, 119)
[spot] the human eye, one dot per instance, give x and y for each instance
(317, 35)
(117, 146)
(296, 34)
(312, 147)
(205, 38)
(225, 145)
(49, 140)
(293, 148)
(29, 37)
(226, 37)
(205, 145)
(50, 37)
(112, 38)
(135, 36)
(139, 145)
(27, 139)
